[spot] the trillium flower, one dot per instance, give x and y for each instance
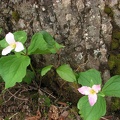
(17, 46)
(91, 92)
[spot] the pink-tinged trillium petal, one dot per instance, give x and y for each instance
(10, 38)
(92, 99)
(19, 47)
(7, 50)
(84, 90)
(96, 88)
(91, 92)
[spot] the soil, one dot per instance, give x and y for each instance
(30, 102)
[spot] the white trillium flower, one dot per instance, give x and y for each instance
(17, 46)
(91, 92)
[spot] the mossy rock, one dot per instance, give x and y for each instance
(115, 104)
(116, 35)
(111, 64)
(114, 64)
(114, 44)
(15, 16)
(108, 11)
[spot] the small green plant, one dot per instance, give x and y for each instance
(13, 69)
(93, 105)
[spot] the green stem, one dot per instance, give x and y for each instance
(32, 68)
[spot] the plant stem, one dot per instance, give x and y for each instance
(32, 68)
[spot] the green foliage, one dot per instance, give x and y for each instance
(28, 77)
(20, 36)
(66, 73)
(13, 69)
(52, 45)
(112, 87)
(92, 113)
(89, 78)
(41, 44)
(46, 69)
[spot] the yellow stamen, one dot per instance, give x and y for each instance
(92, 91)
(13, 45)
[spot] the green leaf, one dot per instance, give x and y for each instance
(3, 44)
(46, 69)
(52, 44)
(20, 36)
(28, 77)
(40, 44)
(112, 86)
(13, 69)
(48, 38)
(89, 78)
(66, 73)
(92, 112)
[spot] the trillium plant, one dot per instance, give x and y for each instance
(12, 44)
(91, 92)
(15, 61)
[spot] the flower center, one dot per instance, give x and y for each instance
(13, 45)
(92, 91)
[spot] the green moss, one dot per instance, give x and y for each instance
(114, 44)
(111, 64)
(114, 64)
(108, 11)
(116, 35)
(15, 16)
(115, 104)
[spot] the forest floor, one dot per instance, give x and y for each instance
(27, 102)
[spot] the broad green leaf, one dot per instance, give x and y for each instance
(20, 36)
(40, 45)
(48, 38)
(66, 73)
(56, 48)
(37, 45)
(3, 44)
(28, 77)
(112, 86)
(45, 70)
(52, 44)
(92, 112)
(89, 78)
(13, 69)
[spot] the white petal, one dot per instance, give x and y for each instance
(96, 88)
(7, 50)
(19, 47)
(92, 99)
(84, 90)
(10, 38)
